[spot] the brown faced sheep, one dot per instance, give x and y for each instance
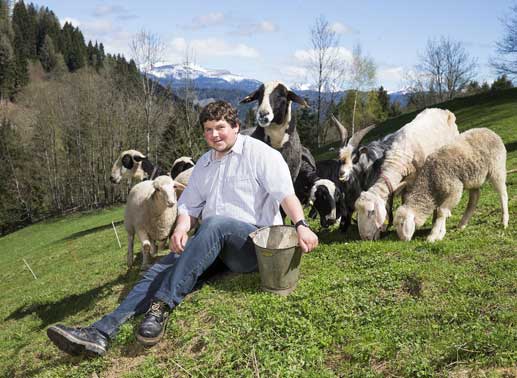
(475, 156)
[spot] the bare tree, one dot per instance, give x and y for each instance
(362, 75)
(506, 61)
(326, 65)
(445, 68)
(147, 50)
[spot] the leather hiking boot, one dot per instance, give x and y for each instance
(78, 341)
(153, 326)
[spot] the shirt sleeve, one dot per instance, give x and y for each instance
(273, 174)
(191, 201)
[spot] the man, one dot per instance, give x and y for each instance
(236, 187)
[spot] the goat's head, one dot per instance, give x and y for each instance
(128, 164)
(181, 164)
(404, 222)
(326, 198)
(348, 151)
(371, 214)
(274, 103)
(165, 189)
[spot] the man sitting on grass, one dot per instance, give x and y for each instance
(236, 187)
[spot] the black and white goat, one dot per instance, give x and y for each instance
(274, 124)
(332, 196)
(132, 164)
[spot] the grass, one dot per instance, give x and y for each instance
(361, 309)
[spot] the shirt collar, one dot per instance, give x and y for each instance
(237, 148)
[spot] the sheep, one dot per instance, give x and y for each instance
(430, 130)
(181, 164)
(132, 164)
(472, 158)
(150, 213)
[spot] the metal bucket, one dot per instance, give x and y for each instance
(279, 258)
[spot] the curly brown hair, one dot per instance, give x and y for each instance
(218, 110)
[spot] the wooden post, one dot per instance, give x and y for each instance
(116, 234)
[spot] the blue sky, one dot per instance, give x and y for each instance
(268, 40)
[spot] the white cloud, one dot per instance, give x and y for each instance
(391, 74)
(248, 29)
(204, 21)
(339, 28)
(211, 47)
(100, 26)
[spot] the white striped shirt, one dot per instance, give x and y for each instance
(247, 184)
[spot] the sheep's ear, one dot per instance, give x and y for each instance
(138, 159)
(178, 185)
(400, 187)
(313, 213)
(295, 98)
(451, 118)
(363, 150)
(253, 96)
(380, 214)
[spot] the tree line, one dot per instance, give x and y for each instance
(77, 108)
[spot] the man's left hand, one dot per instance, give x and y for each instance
(307, 239)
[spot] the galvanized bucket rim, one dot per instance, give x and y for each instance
(254, 233)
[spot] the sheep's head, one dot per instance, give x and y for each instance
(128, 165)
(325, 198)
(405, 223)
(371, 214)
(165, 189)
(181, 164)
(274, 103)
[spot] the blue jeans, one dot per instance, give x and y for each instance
(175, 275)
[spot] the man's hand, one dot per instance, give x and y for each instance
(306, 239)
(178, 241)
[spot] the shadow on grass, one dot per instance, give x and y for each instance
(510, 147)
(93, 230)
(53, 312)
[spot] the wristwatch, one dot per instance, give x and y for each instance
(302, 222)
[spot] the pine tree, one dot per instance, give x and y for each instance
(47, 54)
(7, 60)
(384, 99)
(502, 82)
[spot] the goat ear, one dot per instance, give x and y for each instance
(451, 118)
(138, 158)
(253, 96)
(380, 214)
(127, 162)
(363, 150)
(295, 98)
(313, 213)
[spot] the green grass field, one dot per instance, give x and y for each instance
(361, 309)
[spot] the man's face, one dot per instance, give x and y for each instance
(220, 136)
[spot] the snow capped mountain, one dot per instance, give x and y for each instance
(178, 74)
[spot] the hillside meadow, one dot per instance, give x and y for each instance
(361, 309)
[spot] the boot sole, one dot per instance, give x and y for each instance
(72, 345)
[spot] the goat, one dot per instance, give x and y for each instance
(466, 163)
(274, 123)
(150, 213)
(430, 130)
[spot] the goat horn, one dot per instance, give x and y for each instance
(511, 171)
(343, 132)
(358, 136)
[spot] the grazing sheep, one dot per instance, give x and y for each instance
(133, 164)
(150, 213)
(475, 156)
(430, 130)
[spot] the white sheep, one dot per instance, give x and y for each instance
(475, 156)
(430, 130)
(150, 213)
